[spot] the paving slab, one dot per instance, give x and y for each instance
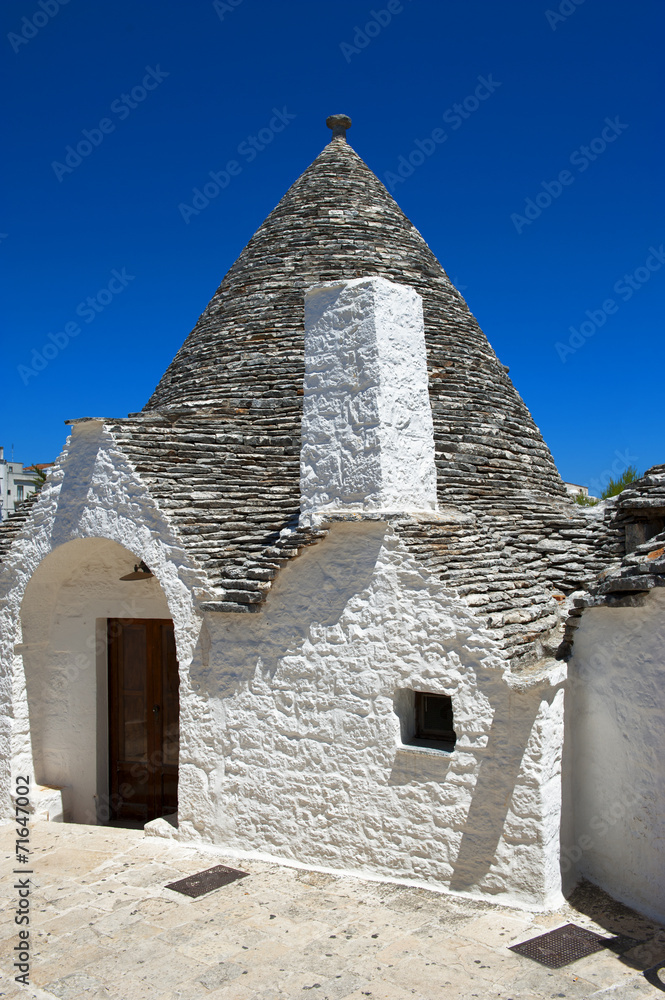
(105, 927)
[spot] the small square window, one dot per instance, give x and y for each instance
(434, 718)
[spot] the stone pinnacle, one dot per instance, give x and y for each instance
(339, 125)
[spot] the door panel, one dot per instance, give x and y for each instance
(170, 720)
(143, 718)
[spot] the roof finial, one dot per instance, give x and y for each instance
(339, 125)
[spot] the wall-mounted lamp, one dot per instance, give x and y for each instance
(141, 572)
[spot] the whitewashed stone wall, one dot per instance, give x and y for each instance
(293, 720)
(615, 749)
(367, 432)
(298, 750)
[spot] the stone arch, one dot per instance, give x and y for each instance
(60, 717)
(92, 498)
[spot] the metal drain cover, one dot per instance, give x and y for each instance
(202, 882)
(564, 945)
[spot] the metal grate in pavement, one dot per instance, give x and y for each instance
(568, 944)
(203, 882)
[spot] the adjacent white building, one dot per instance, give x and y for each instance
(16, 484)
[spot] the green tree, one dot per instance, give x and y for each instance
(585, 501)
(38, 477)
(615, 486)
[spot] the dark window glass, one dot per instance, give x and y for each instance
(434, 717)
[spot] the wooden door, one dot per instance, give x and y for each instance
(143, 718)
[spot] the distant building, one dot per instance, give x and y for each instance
(16, 483)
(575, 489)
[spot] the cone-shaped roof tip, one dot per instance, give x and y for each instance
(337, 222)
(339, 125)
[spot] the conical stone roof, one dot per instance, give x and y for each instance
(218, 445)
(245, 355)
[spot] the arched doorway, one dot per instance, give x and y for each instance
(98, 675)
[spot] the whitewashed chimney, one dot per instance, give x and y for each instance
(367, 433)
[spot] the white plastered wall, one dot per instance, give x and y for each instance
(93, 520)
(290, 718)
(615, 754)
(298, 751)
(367, 431)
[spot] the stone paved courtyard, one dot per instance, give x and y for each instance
(103, 925)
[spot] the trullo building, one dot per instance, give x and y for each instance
(347, 639)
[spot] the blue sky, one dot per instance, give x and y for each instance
(544, 201)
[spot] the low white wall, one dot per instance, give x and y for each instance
(293, 741)
(615, 739)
